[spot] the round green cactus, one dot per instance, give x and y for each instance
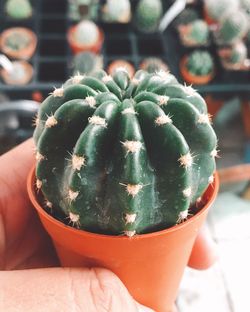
(19, 9)
(153, 65)
(147, 15)
(86, 33)
(200, 63)
(124, 156)
(87, 63)
(195, 33)
(233, 27)
(217, 8)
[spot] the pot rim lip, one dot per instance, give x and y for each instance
(41, 211)
(74, 43)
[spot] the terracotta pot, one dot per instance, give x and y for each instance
(121, 63)
(150, 265)
(76, 47)
(193, 79)
(24, 54)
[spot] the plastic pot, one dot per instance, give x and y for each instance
(193, 79)
(150, 265)
(77, 48)
(24, 53)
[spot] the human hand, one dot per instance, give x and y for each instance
(28, 260)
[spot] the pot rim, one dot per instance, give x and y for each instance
(41, 211)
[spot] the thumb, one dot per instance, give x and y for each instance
(65, 290)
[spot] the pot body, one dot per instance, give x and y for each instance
(150, 265)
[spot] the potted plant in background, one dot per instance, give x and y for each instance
(121, 63)
(18, 9)
(197, 67)
(21, 73)
(153, 65)
(18, 43)
(87, 63)
(85, 36)
(116, 11)
(123, 180)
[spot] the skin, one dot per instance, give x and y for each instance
(30, 276)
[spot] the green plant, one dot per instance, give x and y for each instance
(124, 156)
(86, 33)
(117, 11)
(147, 15)
(17, 41)
(238, 53)
(217, 8)
(233, 27)
(153, 65)
(195, 33)
(18, 9)
(200, 63)
(87, 63)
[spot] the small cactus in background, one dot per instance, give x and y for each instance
(153, 65)
(233, 27)
(194, 34)
(87, 63)
(235, 56)
(86, 33)
(18, 9)
(117, 11)
(200, 63)
(147, 15)
(215, 9)
(83, 9)
(115, 155)
(17, 41)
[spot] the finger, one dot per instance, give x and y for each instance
(204, 253)
(64, 290)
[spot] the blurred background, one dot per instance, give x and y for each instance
(204, 43)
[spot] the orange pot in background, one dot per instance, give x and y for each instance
(76, 48)
(190, 78)
(150, 265)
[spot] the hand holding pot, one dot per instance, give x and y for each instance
(28, 260)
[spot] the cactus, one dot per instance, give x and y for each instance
(117, 11)
(195, 33)
(217, 8)
(233, 27)
(200, 63)
(18, 9)
(17, 41)
(86, 33)
(123, 156)
(147, 15)
(153, 65)
(83, 9)
(234, 57)
(87, 63)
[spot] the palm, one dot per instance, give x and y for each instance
(24, 243)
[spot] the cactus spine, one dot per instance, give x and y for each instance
(115, 155)
(200, 63)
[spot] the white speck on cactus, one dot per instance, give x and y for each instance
(129, 110)
(48, 204)
(91, 101)
(132, 189)
(211, 179)
(97, 120)
(132, 146)
(74, 219)
(183, 215)
(162, 120)
(130, 217)
(58, 92)
(163, 99)
(121, 69)
(107, 78)
(78, 162)
(187, 192)
(77, 78)
(163, 74)
(135, 81)
(204, 119)
(38, 184)
(130, 233)
(50, 122)
(189, 90)
(186, 160)
(214, 153)
(72, 195)
(39, 157)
